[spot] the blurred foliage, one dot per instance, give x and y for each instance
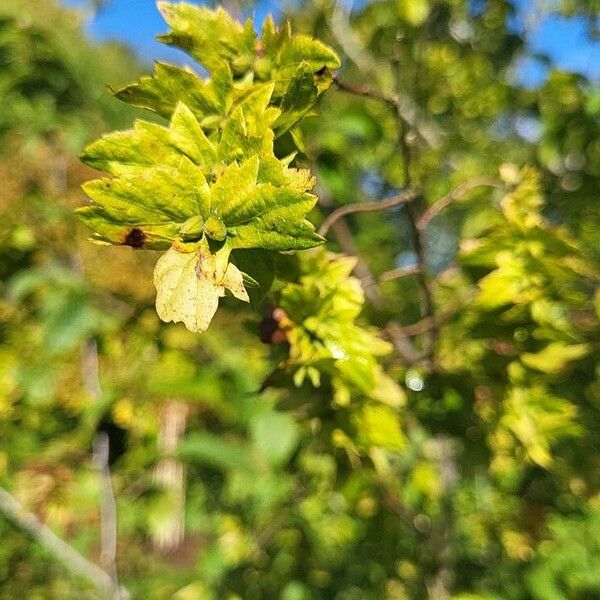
(325, 464)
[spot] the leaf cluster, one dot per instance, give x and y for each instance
(209, 182)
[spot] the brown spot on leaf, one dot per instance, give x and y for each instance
(136, 238)
(321, 71)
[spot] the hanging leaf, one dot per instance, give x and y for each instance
(189, 285)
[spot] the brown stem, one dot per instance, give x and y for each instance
(403, 198)
(364, 92)
(439, 205)
(399, 273)
(427, 296)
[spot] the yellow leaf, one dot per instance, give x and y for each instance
(555, 356)
(189, 286)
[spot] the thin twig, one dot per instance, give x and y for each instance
(366, 63)
(404, 136)
(427, 132)
(399, 273)
(428, 323)
(399, 338)
(403, 345)
(364, 92)
(390, 275)
(439, 205)
(60, 550)
(358, 207)
(420, 251)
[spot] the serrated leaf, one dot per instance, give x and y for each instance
(145, 144)
(248, 129)
(189, 286)
(150, 144)
(298, 98)
(170, 85)
(188, 137)
(302, 48)
(162, 193)
(270, 233)
(233, 186)
(152, 236)
(299, 66)
(321, 309)
(210, 36)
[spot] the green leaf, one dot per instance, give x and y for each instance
(149, 144)
(304, 49)
(271, 233)
(157, 236)
(215, 451)
(378, 425)
(248, 128)
(170, 85)
(233, 186)
(538, 420)
(259, 265)
(321, 309)
(163, 193)
(275, 435)
(298, 99)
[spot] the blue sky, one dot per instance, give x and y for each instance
(136, 22)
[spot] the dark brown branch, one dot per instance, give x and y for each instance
(403, 345)
(358, 207)
(420, 251)
(406, 107)
(419, 240)
(439, 205)
(396, 332)
(364, 92)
